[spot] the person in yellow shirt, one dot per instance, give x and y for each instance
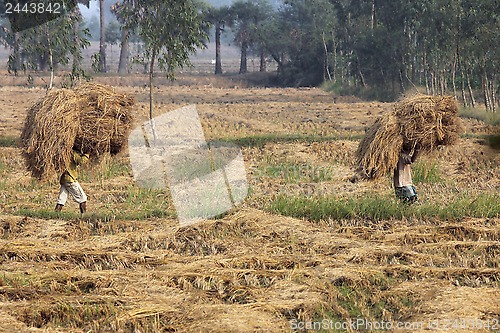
(69, 183)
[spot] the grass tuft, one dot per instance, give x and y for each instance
(8, 141)
(384, 207)
(260, 140)
(93, 217)
(491, 118)
(292, 172)
(426, 172)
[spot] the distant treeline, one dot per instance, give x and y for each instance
(372, 47)
(448, 47)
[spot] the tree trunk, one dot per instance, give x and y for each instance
(77, 60)
(151, 86)
(263, 66)
(493, 94)
(51, 57)
(124, 52)
(471, 94)
(218, 62)
(372, 23)
(401, 81)
(453, 77)
(462, 79)
(486, 92)
(362, 78)
(442, 83)
(326, 65)
(51, 65)
(243, 61)
(334, 58)
(16, 62)
(424, 65)
(102, 41)
(433, 91)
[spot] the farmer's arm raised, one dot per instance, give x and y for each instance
(416, 152)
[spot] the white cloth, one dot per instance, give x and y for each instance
(403, 176)
(75, 190)
(402, 173)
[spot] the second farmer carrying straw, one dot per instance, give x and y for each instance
(403, 183)
(70, 185)
(417, 124)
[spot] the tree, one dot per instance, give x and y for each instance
(247, 16)
(112, 33)
(171, 30)
(219, 17)
(102, 39)
(300, 39)
(118, 9)
(54, 42)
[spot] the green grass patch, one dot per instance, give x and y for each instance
(72, 215)
(14, 280)
(384, 207)
(297, 172)
(323, 208)
(87, 314)
(376, 93)
(8, 141)
(260, 140)
(491, 118)
(426, 172)
(492, 140)
(144, 210)
(3, 167)
(109, 169)
(362, 303)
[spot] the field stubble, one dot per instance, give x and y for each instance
(128, 267)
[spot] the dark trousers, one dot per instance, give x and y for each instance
(407, 193)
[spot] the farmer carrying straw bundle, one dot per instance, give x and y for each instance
(69, 127)
(403, 183)
(417, 124)
(69, 183)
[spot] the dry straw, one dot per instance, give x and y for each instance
(418, 122)
(92, 118)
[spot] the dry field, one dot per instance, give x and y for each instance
(306, 246)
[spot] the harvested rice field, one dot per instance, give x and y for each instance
(307, 250)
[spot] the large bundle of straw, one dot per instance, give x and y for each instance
(92, 118)
(419, 122)
(105, 121)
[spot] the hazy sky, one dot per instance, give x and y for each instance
(94, 6)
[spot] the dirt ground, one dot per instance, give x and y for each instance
(250, 270)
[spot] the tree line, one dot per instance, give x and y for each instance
(382, 47)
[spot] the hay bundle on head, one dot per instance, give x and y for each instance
(428, 121)
(419, 122)
(379, 150)
(106, 120)
(49, 133)
(91, 118)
